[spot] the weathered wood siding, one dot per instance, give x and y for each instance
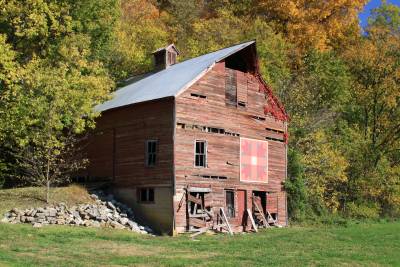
(193, 112)
(117, 149)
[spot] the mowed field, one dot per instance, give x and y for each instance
(355, 245)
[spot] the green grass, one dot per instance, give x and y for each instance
(29, 197)
(355, 245)
(366, 244)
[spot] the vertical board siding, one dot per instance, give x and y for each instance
(132, 126)
(121, 150)
(241, 87)
(224, 150)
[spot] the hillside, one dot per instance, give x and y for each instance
(30, 197)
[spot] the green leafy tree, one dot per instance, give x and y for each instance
(295, 187)
(50, 79)
(53, 104)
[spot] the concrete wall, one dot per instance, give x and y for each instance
(157, 215)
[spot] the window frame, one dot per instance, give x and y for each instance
(205, 154)
(228, 214)
(147, 200)
(147, 153)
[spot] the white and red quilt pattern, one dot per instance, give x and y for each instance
(253, 160)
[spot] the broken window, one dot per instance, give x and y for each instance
(151, 152)
(146, 194)
(200, 154)
(230, 203)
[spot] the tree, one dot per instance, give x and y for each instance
(295, 187)
(320, 25)
(51, 77)
(52, 104)
(386, 16)
(139, 32)
(375, 64)
(325, 171)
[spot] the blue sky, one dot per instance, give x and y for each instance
(371, 5)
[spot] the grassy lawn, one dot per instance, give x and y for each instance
(355, 245)
(22, 245)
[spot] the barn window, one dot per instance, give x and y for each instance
(146, 194)
(200, 155)
(151, 152)
(230, 203)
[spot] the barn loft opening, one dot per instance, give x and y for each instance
(245, 60)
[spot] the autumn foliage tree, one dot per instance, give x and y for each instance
(339, 83)
(50, 80)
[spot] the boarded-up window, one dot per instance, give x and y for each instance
(230, 87)
(241, 89)
(253, 160)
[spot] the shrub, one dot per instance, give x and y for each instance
(2, 174)
(363, 211)
(295, 188)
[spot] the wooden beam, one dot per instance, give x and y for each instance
(252, 220)
(199, 189)
(194, 199)
(228, 226)
(197, 223)
(200, 215)
(200, 231)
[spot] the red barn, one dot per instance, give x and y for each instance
(193, 137)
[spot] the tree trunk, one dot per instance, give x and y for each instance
(47, 191)
(48, 181)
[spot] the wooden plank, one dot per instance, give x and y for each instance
(200, 215)
(194, 211)
(252, 220)
(194, 199)
(199, 189)
(261, 213)
(200, 231)
(228, 226)
(181, 201)
(197, 223)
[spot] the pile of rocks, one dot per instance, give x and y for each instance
(103, 213)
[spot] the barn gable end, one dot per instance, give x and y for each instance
(207, 130)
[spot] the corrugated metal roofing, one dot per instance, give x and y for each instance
(169, 82)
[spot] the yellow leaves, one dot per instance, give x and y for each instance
(139, 32)
(134, 10)
(313, 24)
(325, 169)
(35, 18)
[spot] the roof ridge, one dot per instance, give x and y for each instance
(169, 82)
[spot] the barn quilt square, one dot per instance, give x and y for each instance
(253, 160)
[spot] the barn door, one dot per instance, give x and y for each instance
(241, 200)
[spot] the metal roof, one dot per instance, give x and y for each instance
(168, 82)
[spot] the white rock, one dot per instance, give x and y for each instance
(37, 225)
